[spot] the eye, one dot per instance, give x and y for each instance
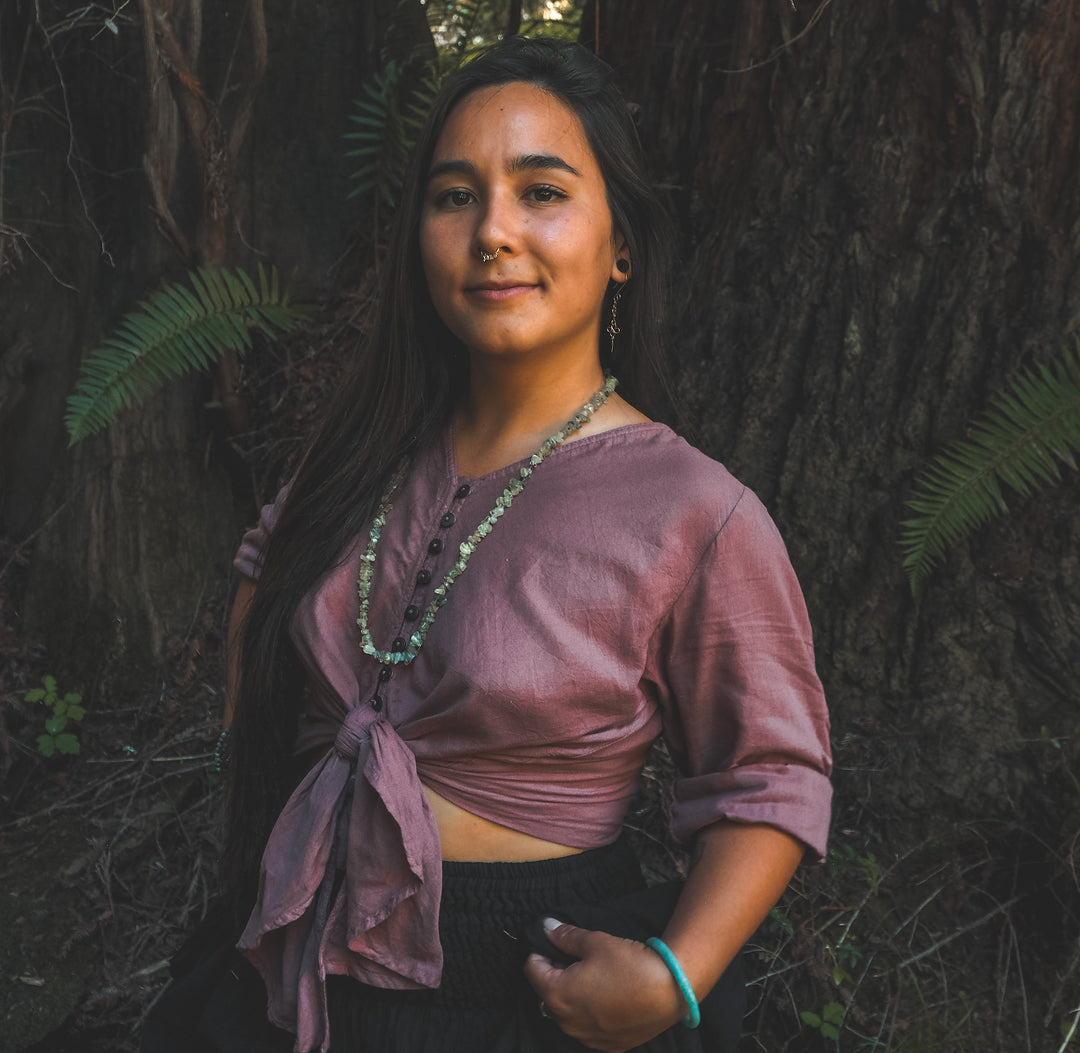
(544, 194)
(455, 198)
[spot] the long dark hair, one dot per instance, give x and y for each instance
(397, 399)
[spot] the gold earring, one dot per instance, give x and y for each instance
(490, 257)
(613, 326)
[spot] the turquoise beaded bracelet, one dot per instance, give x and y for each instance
(693, 1012)
(222, 752)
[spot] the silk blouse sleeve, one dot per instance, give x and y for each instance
(744, 712)
(248, 559)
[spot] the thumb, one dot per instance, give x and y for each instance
(568, 938)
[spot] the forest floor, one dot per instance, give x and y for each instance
(932, 936)
(107, 857)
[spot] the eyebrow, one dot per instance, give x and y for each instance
(521, 163)
(528, 162)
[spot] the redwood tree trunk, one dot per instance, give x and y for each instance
(126, 531)
(878, 222)
(876, 227)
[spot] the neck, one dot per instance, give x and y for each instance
(512, 406)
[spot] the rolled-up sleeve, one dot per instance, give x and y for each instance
(248, 559)
(744, 712)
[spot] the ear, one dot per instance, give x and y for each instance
(620, 264)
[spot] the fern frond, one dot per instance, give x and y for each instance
(175, 331)
(388, 117)
(1021, 441)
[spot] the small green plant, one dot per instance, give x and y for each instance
(844, 862)
(828, 1021)
(845, 955)
(781, 923)
(64, 709)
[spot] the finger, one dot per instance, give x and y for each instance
(541, 972)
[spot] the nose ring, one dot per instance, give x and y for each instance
(490, 257)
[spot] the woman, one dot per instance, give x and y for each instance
(493, 625)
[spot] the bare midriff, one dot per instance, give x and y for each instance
(467, 838)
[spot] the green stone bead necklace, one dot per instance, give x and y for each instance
(467, 547)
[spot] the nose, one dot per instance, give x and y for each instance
(497, 226)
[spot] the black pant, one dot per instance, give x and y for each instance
(484, 1004)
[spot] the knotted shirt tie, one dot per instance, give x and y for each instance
(350, 882)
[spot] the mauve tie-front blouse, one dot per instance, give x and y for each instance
(634, 587)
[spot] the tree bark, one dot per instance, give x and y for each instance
(876, 228)
(125, 529)
(877, 225)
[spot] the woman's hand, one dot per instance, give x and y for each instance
(619, 995)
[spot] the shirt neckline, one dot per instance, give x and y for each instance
(508, 470)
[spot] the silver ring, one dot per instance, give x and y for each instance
(545, 1012)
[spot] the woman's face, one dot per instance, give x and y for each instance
(512, 171)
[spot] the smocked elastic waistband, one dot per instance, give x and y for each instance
(593, 862)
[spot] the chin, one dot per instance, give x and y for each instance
(506, 347)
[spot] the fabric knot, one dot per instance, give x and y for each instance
(368, 816)
(352, 734)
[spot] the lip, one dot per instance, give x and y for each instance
(500, 289)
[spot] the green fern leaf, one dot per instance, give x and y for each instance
(175, 331)
(1021, 441)
(387, 119)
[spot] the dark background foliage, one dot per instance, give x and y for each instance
(877, 225)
